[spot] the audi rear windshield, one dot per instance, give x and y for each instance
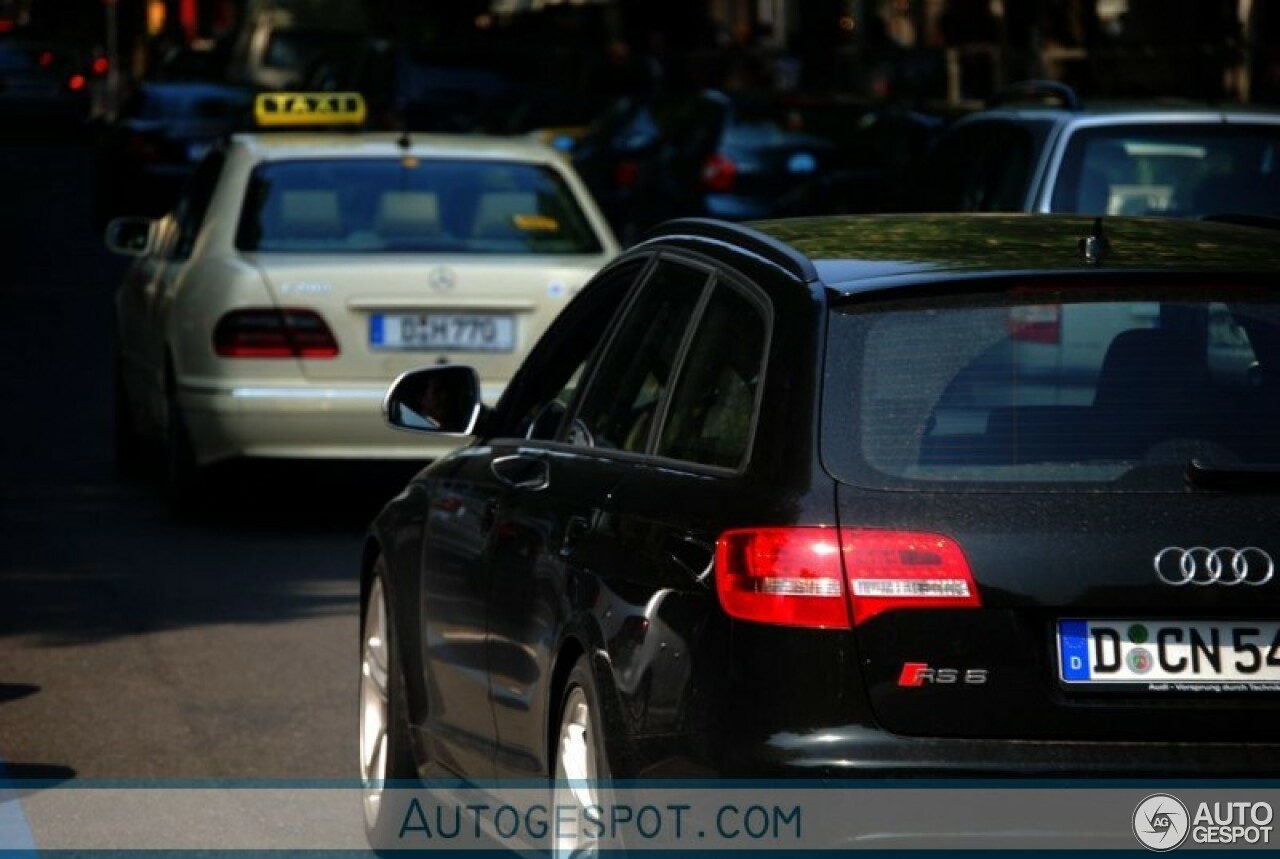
(381, 205)
(1119, 388)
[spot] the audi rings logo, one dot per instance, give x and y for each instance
(1224, 565)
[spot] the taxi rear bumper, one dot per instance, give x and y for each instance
(300, 423)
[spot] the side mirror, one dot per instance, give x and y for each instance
(132, 237)
(444, 400)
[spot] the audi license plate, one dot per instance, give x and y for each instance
(1171, 656)
(462, 332)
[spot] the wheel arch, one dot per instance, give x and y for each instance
(369, 554)
(621, 754)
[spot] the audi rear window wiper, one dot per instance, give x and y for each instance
(1232, 478)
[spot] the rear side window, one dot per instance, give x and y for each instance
(620, 407)
(713, 405)
(1119, 389)
(393, 205)
(1171, 169)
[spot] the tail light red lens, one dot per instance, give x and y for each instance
(719, 174)
(889, 570)
(1036, 323)
(270, 333)
(101, 65)
(77, 83)
(836, 579)
(786, 576)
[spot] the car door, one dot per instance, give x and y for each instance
(147, 296)
(699, 479)
(469, 531)
(552, 542)
(136, 331)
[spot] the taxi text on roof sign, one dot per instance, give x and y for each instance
(309, 108)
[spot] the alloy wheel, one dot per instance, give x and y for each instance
(375, 709)
(576, 771)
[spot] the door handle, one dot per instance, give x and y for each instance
(522, 472)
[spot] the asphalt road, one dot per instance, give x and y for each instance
(134, 645)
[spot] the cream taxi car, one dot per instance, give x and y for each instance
(303, 271)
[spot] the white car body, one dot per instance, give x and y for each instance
(190, 275)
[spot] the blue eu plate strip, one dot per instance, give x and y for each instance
(376, 336)
(1073, 636)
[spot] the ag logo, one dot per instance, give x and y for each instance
(1160, 822)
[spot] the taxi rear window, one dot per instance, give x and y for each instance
(410, 205)
(1121, 390)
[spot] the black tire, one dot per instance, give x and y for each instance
(581, 730)
(385, 751)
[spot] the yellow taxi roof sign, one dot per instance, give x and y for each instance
(298, 109)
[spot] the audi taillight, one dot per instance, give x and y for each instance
(889, 570)
(837, 578)
(1036, 323)
(786, 576)
(719, 173)
(270, 333)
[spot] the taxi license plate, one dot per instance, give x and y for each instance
(463, 332)
(1171, 656)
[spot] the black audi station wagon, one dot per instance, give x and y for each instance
(932, 495)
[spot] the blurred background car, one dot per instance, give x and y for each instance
(876, 165)
(144, 158)
(734, 155)
(418, 88)
(1038, 147)
(44, 86)
(280, 42)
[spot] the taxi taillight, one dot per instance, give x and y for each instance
(832, 578)
(272, 333)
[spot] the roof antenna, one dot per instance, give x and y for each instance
(1095, 245)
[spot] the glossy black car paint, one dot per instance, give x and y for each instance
(496, 591)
